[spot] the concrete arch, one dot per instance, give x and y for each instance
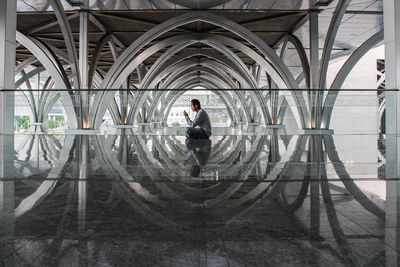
(95, 57)
(184, 70)
(178, 62)
(294, 40)
(189, 82)
(122, 67)
(102, 99)
(343, 73)
(330, 39)
(232, 112)
(55, 69)
(69, 40)
(239, 65)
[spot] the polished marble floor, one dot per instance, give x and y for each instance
(232, 200)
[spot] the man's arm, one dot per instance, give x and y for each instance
(189, 121)
(197, 120)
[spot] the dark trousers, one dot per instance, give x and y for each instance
(196, 132)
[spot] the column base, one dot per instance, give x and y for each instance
(143, 127)
(252, 126)
(82, 131)
(122, 126)
(34, 129)
(273, 126)
(317, 131)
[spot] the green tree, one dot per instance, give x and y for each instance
(51, 124)
(59, 120)
(23, 122)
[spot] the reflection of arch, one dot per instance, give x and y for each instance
(348, 181)
(123, 66)
(296, 157)
(222, 202)
(268, 185)
(247, 199)
(49, 184)
(348, 254)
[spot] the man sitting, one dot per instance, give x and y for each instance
(201, 120)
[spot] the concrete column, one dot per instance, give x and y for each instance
(84, 66)
(314, 95)
(8, 22)
(391, 13)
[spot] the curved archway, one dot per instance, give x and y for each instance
(242, 72)
(53, 66)
(122, 66)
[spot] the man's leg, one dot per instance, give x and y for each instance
(196, 132)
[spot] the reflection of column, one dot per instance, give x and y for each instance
(274, 147)
(314, 171)
(392, 222)
(82, 197)
(82, 183)
(392, 66)
(8, 21)
(7, 195)
(123, 148)
(7, 219)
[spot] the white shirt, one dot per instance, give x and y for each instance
(202, 120)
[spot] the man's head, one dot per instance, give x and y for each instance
(195, 104)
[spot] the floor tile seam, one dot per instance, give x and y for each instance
(366, 229)
(334, 240)
(329, 250)
(23, 245)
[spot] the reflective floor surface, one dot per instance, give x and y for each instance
(233, 200)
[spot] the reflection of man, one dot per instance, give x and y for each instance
(201, 120)
(199, 150)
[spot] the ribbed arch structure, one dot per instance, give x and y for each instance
(178, 59)
(54, 67)
(130, 60)
(171, 99)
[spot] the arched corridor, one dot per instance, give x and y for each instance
(99, 167)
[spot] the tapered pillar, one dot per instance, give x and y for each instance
(314, 94)
(83, 66)
(392, 69)
(313, 168)
(8, 20)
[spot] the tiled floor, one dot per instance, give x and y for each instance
(234, 200)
